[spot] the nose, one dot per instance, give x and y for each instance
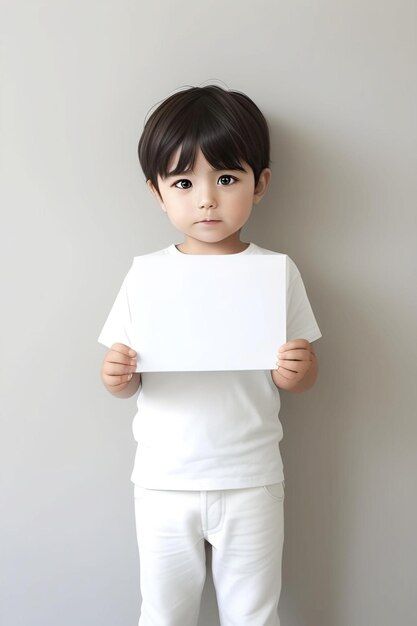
(207, 199)
(209, 204)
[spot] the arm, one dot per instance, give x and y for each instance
(118, 371)
(297, 366)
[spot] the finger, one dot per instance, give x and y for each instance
(118, 369)
(116, 382)
(295, 344)
(296, 355)
(297, 367)
(118, 358)
(121, 347)
(288, 374)
(283, 367)
(284, 371)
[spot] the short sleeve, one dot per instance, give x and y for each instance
(301, 323)
(118, 325)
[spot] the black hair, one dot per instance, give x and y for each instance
(227, 126)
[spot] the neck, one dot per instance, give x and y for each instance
(190, 246)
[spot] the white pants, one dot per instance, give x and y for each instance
(245, 528)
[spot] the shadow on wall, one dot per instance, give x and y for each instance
(332, 454)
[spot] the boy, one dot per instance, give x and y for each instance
(208, 466)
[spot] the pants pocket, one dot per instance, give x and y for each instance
(275, 491)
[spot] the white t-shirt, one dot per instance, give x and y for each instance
(215, 429)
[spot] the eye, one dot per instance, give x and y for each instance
(179, 184)
(226, 180)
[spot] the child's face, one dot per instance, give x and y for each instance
(225, 196)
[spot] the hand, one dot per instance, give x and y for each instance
(118, 367)
(294, 360)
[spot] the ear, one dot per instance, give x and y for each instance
(262, 186)
(156, 194)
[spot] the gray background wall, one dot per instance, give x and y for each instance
(337, 82)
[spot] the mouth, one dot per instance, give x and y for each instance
(208, 222)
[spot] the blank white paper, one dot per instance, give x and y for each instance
(208, 312)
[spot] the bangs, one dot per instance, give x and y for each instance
(216, 142)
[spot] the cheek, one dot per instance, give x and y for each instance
(246, 195)
(178, 212)
(244, 203)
